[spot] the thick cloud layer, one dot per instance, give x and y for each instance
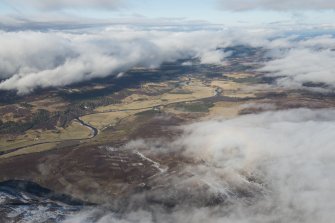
(30, 59)
(33, 59)
(288, 154)
(241, 5)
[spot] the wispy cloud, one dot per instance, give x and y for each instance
(304, 67)
(284, 5)
(269, 167)
(64, 4)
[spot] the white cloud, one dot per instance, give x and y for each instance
(34, 59)
(303, 66)
(212, 57)
(319, 42)
(291, 152)
(284, 5)
(30, 59)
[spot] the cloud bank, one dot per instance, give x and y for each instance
(242, 5)
(32, 59)
(270, 167)
(29, 60)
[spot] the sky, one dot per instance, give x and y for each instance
(226, 12)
